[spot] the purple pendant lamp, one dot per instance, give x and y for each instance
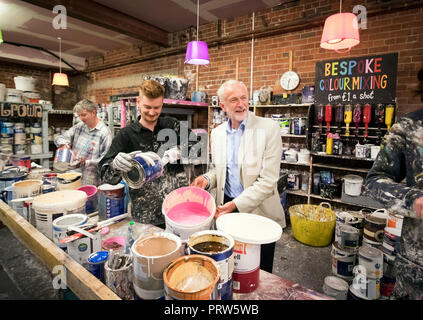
(340, 32)
(197, 51)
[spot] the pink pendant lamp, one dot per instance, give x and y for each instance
(197, 51)
(59, 78)
(340, 32)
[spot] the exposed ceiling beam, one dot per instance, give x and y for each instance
(97, 14)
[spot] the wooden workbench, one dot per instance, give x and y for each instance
(88, 287)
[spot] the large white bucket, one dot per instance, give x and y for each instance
(53, 205)
(152, 254)
(188, 210)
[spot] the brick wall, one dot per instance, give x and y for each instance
(399, 30)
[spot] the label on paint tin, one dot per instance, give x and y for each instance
(246, 257)
(114, 207)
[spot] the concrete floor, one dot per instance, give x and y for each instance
(23, 276)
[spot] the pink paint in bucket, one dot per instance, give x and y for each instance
(188, 210)
(92, 199)
(249, 232)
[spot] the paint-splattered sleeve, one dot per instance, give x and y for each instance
(384, 180)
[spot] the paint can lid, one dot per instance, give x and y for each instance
(98, 257)
(59, 201)
(336, 283)
(249, 228)
(369, 252)
(348, 229)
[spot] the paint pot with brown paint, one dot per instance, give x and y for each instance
(152, 254)
(220, 247)
(336, 288)
(374, 228)
(192, 277)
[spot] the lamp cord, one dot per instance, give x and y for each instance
(198, 16)
(340, 6)
(60, 54)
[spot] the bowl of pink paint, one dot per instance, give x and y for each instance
(188, 210)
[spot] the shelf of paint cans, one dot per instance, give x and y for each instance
(326, 166)
(297, 192)
(322, 154)
(293, 135)
(351, 128)
(283, 105)
(58, 111)
(338, 200)
(305, 164)
(36, 156)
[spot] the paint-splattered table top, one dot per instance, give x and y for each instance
(272, 287)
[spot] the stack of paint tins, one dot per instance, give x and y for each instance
(37, 138)
(6, 137)
(28, 137)
(19, 139)
(347, 241)
(391, 241)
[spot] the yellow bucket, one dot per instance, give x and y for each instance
(313, 225)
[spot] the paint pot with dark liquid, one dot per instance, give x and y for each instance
(152, 254)
(220, 247)
(192, 277)
(142, 171)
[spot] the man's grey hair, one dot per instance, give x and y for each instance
(86, 105)
(221, 93)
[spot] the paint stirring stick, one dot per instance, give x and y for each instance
(98, 227)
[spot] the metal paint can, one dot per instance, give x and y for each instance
(96, 263)
(395, 221)
(372, 260)
(374, 228)
(348, 238)
(202, 243)
(336, 288)
(111, 200)
(62, 158)
(367, 287)
(343, 262)
(295, 126)
(142, 172)
(285, 124)
(391, 241)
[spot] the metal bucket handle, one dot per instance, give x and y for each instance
(322, 203)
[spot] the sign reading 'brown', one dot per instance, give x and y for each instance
(8, 109)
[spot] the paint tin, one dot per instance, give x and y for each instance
(22, 161)
(188, 210)
(249, 232)
(336, 288)
(374, 227)
(50, 206)
(61, 224)
(152, 254)
(285, 125)
(371, 259)
(92, 199)
(387, 285)
(391, 241)
(295, 125)
(353, 219)
(69, 181)
(192, 277)
(354, 295)
(142, 172)
(111, 200)
(293, 181)
(96, 263)
(367, 287)
(220, 247)
(343, 262)
(369, 243)
(395, 221)
(302, 121)
(49, 182)
(62, 158)
(348, 238)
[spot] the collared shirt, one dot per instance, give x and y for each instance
(147, 201)
(89, 144)
(233, 185)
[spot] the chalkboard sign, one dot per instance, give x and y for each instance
(10, 109)
(371, 79)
